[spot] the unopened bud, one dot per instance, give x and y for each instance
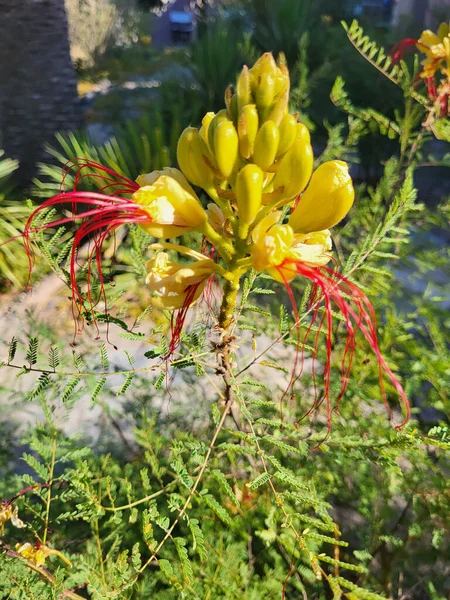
(249, 185)
(247, 130)
(281, 107)
(288, 133)
(327, 199)
(206, 122)
(226, 146)
(192, 155)
(295, 168)
(266, 145)
(243, 89)
(222, 115)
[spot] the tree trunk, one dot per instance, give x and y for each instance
(38, 88)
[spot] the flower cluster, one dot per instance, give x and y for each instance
(436, 65)
(269, 211)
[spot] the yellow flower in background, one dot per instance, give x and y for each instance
(176, 285)
(171, 203)
(436, 47)
(39, 553)
(277, 249)
(8, 512)
(327, 199)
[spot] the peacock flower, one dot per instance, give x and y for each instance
(436, 47)
(251, 158)
(9, 513)
(177, 286)
(277, 249)
(171, 204)
(162, 203)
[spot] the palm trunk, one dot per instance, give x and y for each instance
(38, 88)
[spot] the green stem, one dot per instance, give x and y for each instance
(229, 301)
(224, 248)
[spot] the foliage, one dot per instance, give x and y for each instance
(91, 25)
(138, 146)
(13, 263)
(216, 58)
(252, 504)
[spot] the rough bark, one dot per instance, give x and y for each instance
(38, 88)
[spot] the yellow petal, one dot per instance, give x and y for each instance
(173, 208)
(327, 199)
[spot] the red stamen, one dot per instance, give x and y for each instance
(104, 213)
(358, 314)
(178, 319)
(401, 48)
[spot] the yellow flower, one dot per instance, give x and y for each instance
(171, 203)
(7, 512)
(327, 199)
(176, 285)
(436, 47)
(39, 553)
(36, 555)
(277, 249)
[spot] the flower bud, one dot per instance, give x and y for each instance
(266, 145)
(248, 125)
(206, 122)
(288, 133)
(280, 108)
(221, 116)
(295, 167)
(263, 76)
(249, 185)
(192, 155)
(243, 89)
(226, 145)
(265, 92)
(327, 199)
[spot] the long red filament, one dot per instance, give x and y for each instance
(101, 215)
(358, 314)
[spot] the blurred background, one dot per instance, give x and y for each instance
(95, 66)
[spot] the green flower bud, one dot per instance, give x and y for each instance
(266, 145)
(226, 145)
(249, 185)
(248, 125)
